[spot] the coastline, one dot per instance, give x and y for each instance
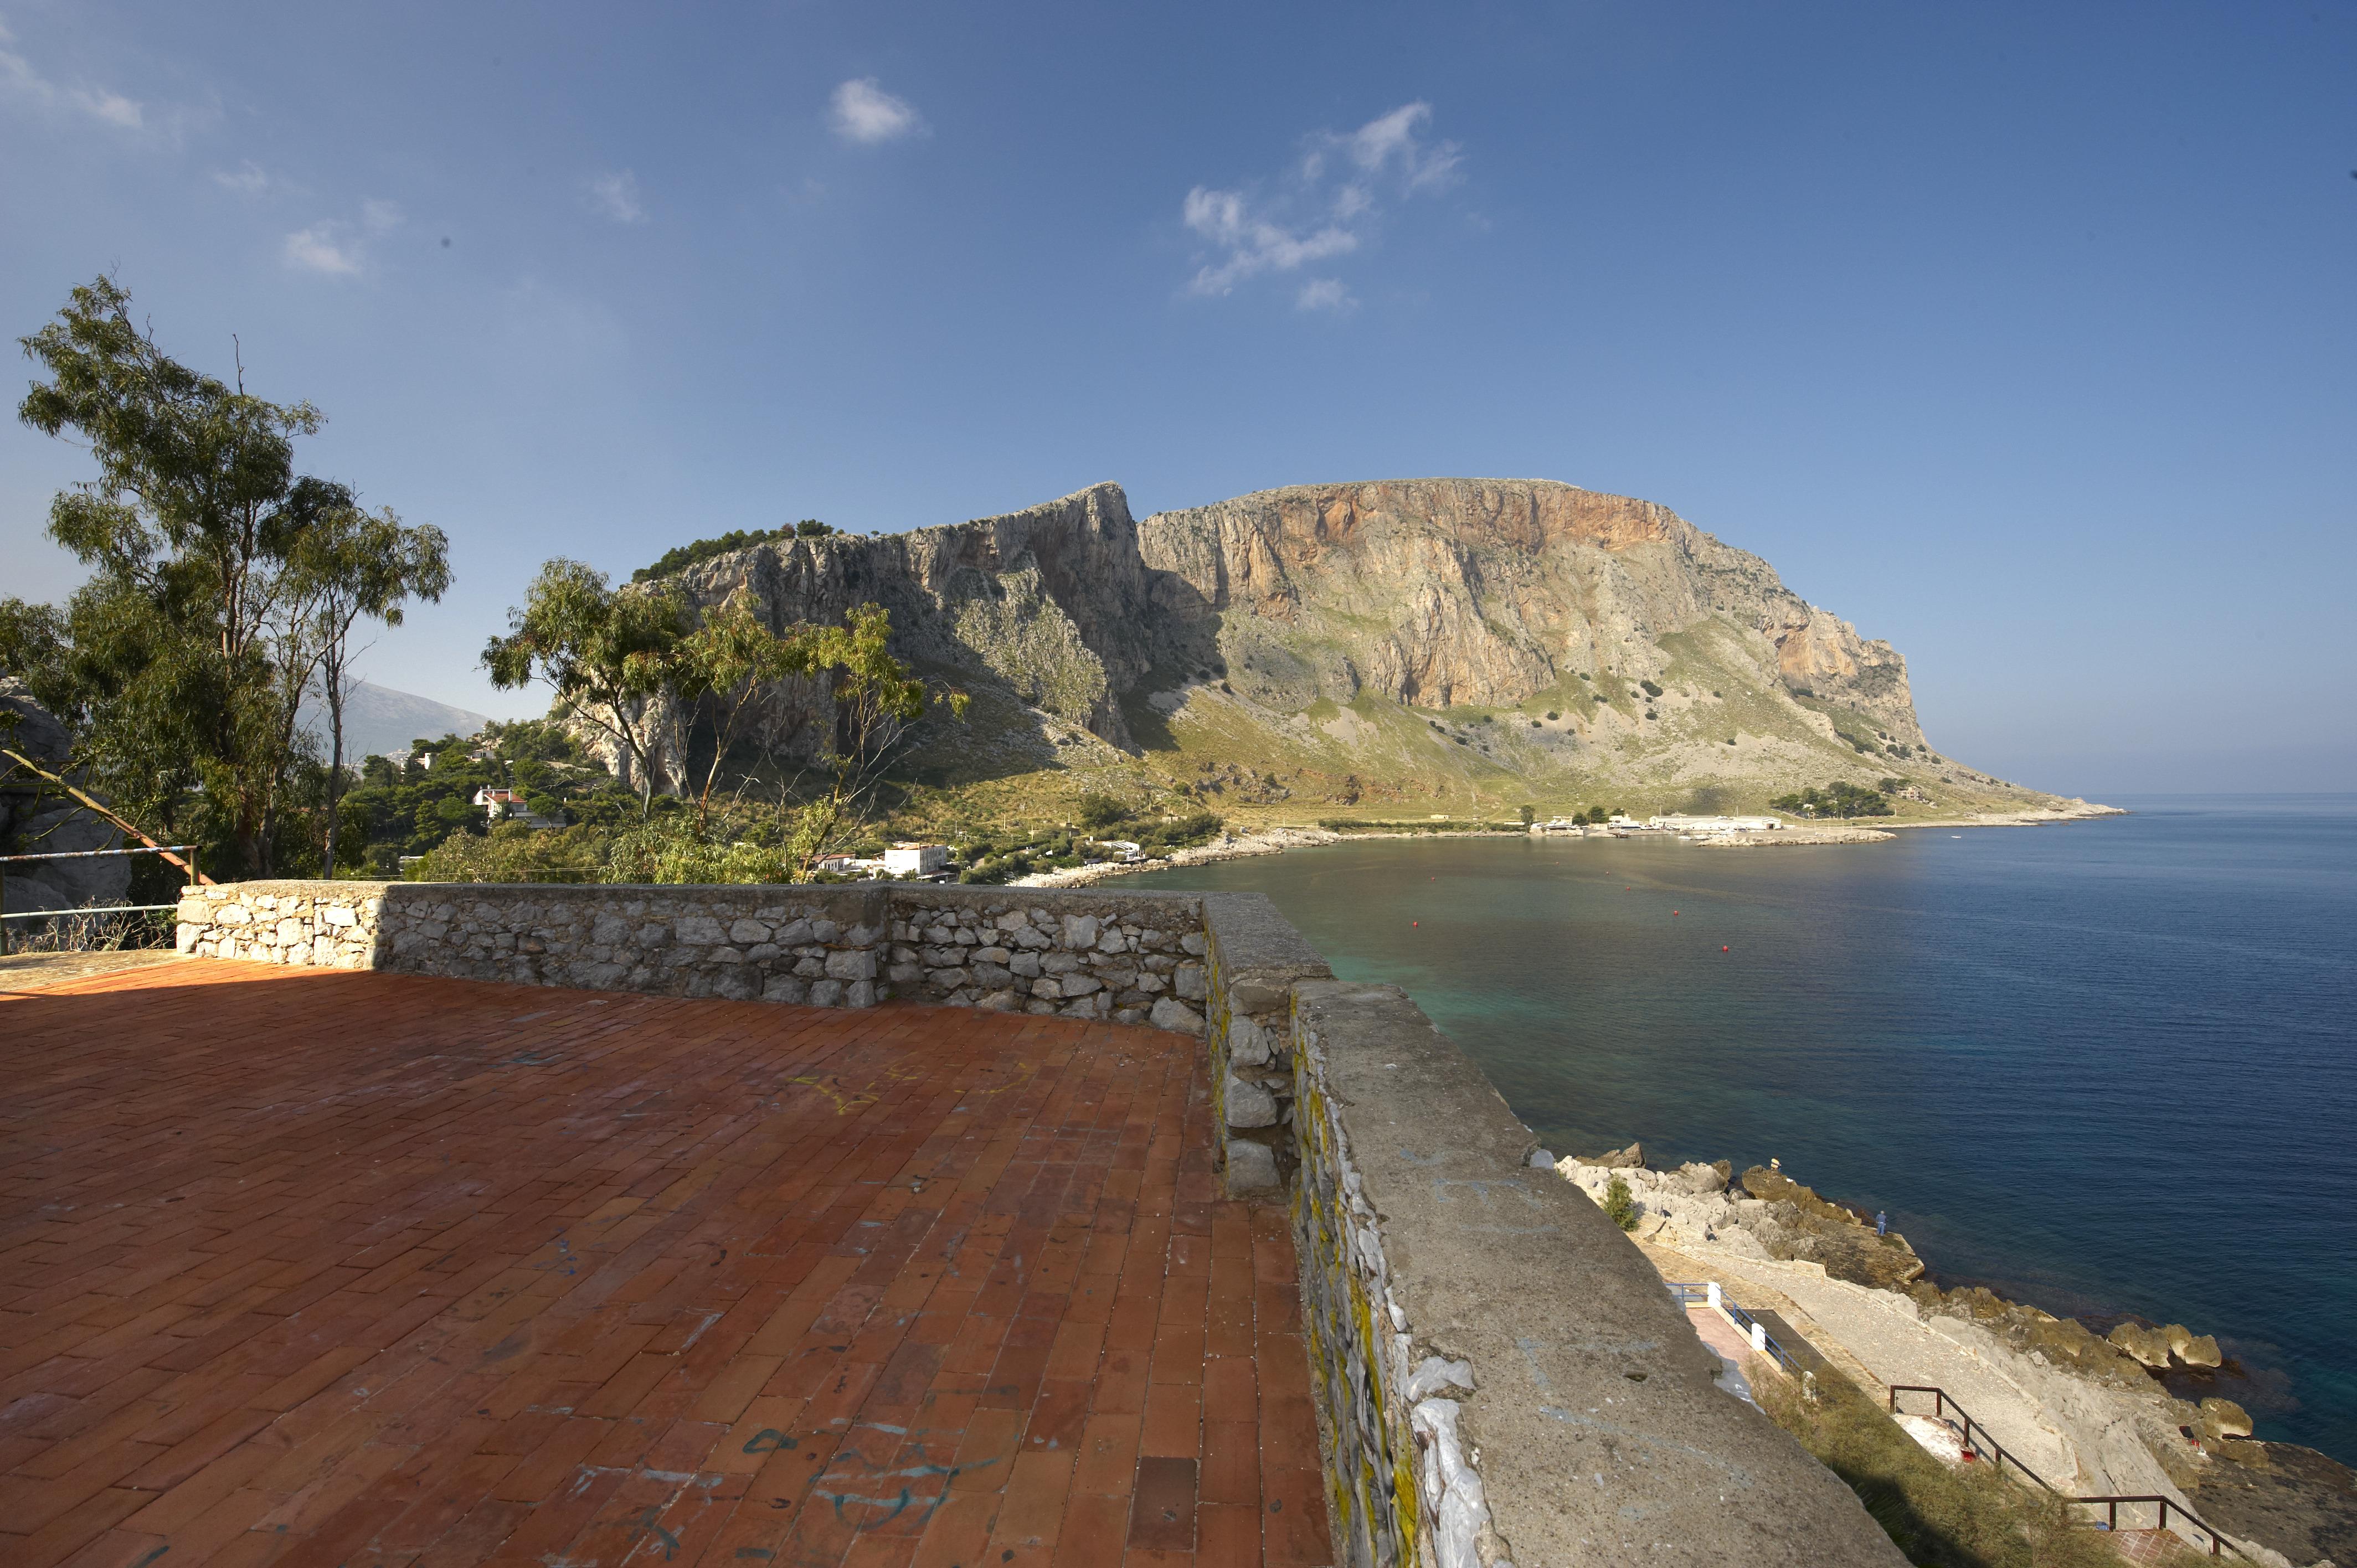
(2089, 1411)
(1253, 841)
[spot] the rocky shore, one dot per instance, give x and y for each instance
(2091, 1408)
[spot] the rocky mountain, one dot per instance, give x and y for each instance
(381, 721)
(1411, 640)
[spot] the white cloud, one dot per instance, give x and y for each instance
(616, 195)
(865, 113)
(323, 248)
(20, 82)
(251, 179)
(1324, 294)
(334, 247)
(1327, 207)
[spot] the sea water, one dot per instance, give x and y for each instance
(2105, 1068)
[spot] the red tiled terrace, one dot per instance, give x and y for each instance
(361, 1269)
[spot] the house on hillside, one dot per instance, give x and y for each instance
(508, 806)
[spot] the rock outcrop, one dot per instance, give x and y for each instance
(1768, 1215)
(36, 820)
(1385, 640)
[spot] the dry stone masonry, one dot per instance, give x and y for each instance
(1132, 957)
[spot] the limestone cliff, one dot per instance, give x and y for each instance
(1397, 640)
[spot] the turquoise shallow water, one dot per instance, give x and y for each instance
(2107, 1068)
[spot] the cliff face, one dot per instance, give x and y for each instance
(1337, 631)
(1436, 592)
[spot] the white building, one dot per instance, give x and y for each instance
(916, 859)
(1680, 824)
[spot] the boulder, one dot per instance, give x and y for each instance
(1630, 1158)
(2224, 1418)
(2201, 1350)
(2148, 1345)
(1251, 1168)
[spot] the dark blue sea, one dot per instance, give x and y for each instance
(2107, 1067)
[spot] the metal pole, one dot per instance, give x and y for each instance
(4, 905)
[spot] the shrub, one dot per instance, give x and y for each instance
(1650, 689)
(1970, 1518)
(1619, 1207)
(1553, 716)
(1101, 811)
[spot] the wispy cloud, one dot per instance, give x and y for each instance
(249, 179)
(864, 113)
(1324, 294)
(334, 247)
(22, 83)
(616, 195)
(1327, 206)
(326, 248)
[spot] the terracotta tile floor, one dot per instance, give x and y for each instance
(369, 1270)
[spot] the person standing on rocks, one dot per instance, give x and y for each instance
(1881, 1222)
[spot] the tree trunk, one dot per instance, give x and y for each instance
(335, 685)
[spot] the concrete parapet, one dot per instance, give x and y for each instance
(1504, 1378)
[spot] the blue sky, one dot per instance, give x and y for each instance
(2023, 337)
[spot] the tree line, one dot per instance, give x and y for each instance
(227, 589)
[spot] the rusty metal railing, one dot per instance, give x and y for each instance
(1986, 1446)
(168, 850)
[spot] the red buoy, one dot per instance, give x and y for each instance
(1416, 922)
(1724, 950)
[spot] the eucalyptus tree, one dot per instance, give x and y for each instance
(194, 640)
(611, 658)
(360, 566)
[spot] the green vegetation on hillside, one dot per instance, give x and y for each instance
(1972, 1516)
(674, 561)
(1839, 799)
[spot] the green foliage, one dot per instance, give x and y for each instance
(990, 859)
(1098, 810)
(412, 809)
(1650, 689)
(36, 647)
(673, 561)
(1891, 786)
(1840, 798)
(603, 653)
(1529, 815)
(1972, 1516)
(223, 586)
(1620, 1206)
(1553, 716)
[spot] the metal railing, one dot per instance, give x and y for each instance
(2112, 1520)
(1980, 1447)
(163, 849)
(1753, 1330)
(1943, 1403)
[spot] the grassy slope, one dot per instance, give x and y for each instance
(1260, 765)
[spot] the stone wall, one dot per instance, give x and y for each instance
(323, 925)
(1132, 957)
(1503, 1377)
